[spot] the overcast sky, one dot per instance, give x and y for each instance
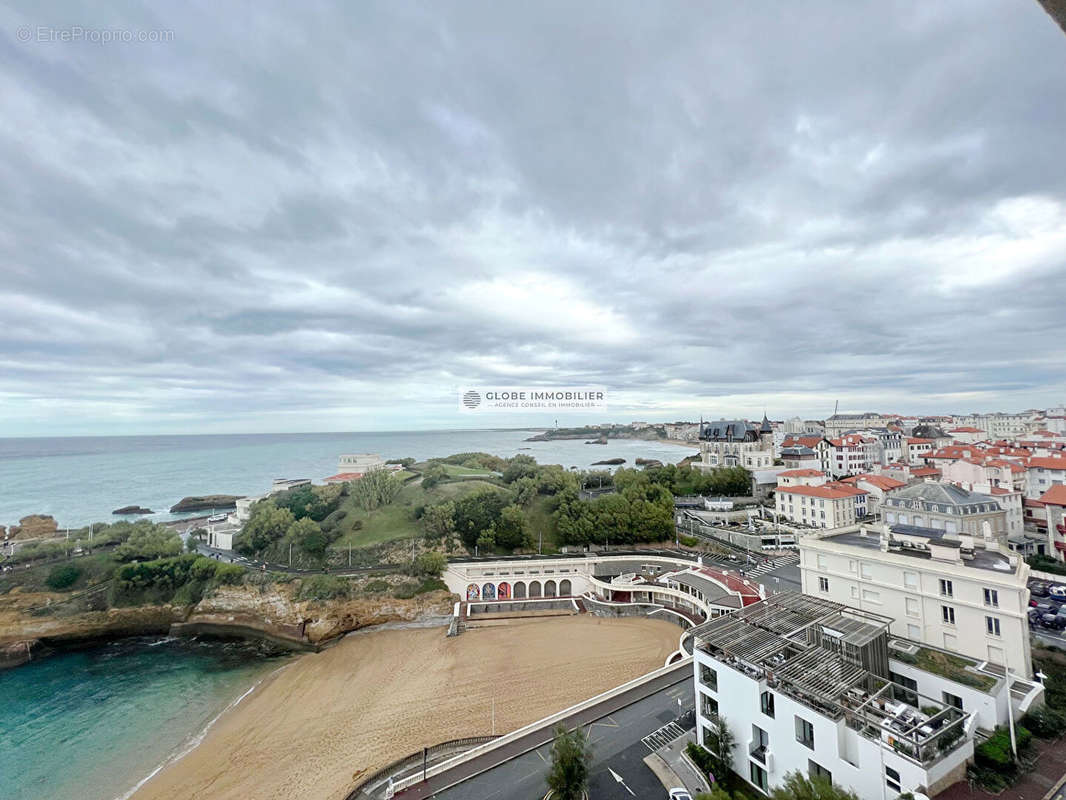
(332, 217)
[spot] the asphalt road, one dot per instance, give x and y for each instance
(617, 750)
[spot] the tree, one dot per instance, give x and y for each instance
(429, 565)
(149, 542)
(720, 743)
(511, 528)
(432, 475)
(267, 524)
(308, 536)
(478, 512)
(439, 520)
(521, 466)
(570, 758)
(798, 786)
(376, 488)
(62, 577)
(716, 793)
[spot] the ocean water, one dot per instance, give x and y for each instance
(83, 479)
(92, 724)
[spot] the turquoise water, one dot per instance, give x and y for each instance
(91, 724)
(82, 479)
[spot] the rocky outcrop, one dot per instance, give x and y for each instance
(35, 526)
(271, 612)
(207, 502)
(132, 510)
(648, 462)
(610, 462)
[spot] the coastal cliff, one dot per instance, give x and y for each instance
(34, 622)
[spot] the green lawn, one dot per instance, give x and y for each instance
(456, 471)
(397, 520)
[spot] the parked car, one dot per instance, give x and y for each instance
(1038, 588)
(1044, 607)
(680, 794)
(1053, 621)
(1058, 591)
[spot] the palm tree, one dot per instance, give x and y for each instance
(569, 774)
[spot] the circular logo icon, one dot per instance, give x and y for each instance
(471, 399)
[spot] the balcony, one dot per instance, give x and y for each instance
(759, 753)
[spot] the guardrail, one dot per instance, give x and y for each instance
(362, 789)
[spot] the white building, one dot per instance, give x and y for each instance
(853, 454)
(839, 424)
(878, 487)
(948, 508)
(831, 505)
(952, 591)
(354, 466)
(999, 425)
(1043, 472)
(806, 684)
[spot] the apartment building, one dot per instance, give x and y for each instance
(877, 487)
(839, 424)
(953, 591)
(831, 505)
(853, 454)
(915, 449)
(999, 425)
(1043, 472)
(948, 508)
(819, 444)
(810, 685)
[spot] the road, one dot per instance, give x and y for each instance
(617, 750)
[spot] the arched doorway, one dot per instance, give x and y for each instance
(519, 590)
(549, 589)
(565, 589)
(534, 588)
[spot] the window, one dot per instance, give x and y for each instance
(910, 580)
(948, 614)
(821, 562)
(911, 606)
(758, 777)
(992, 626)
(892, 779)
(864, 570)
(992, 598)
(906, 689)
(914, 632)
(946, 588)
(816, 770)
(854, 592)
(852, 566)
(708, 707)
(871, 596)
(953, 700)
(823, 584)
(708, 677)
(804, 732)
(766, 703)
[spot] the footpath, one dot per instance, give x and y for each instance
(1044, 782)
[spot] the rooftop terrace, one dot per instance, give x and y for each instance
(903, 541)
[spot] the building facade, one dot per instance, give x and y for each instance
(954, 592)
(736, 443)
(948, 508)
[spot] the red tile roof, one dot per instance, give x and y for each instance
(882, 482)
(915, 440)
(923, 471)
(800, 473)
(834, 491)
(1056, 496)
(1047, 462)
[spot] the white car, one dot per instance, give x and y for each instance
(1058, 591)
(680, 794)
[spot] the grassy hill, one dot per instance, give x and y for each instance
(398, 520)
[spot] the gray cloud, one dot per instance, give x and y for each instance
(332, 217)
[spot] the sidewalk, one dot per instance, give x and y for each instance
(1046, 776)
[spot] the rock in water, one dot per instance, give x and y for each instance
(609, 462)
(132, 510)
(35, 526)
(207, 502)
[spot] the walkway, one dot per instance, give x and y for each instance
(534, 739)
(1047, 773)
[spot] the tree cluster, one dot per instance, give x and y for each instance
(640, 511)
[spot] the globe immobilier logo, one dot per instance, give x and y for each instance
(480, 399)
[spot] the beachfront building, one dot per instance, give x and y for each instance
(736, 443)
(963, 593)
(806, 684)
(354, 466)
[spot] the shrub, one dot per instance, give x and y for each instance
(63, 577)
(229, 574)
(323, 587)
(1045, 722)
(688, 541)
(995, 752)
(429, 564)
(408, 589)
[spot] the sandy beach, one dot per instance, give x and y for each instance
(312, 728)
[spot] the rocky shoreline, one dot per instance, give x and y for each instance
(272, 616)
